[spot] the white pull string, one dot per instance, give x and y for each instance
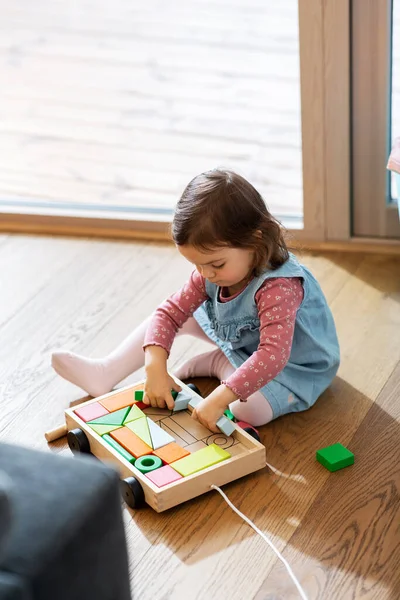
(279, 555)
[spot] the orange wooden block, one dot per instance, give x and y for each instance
(131, 442)
(170, 452)
(118, 401)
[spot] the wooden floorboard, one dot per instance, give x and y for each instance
(339, 531)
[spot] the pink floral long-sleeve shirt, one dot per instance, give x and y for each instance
(277, 302)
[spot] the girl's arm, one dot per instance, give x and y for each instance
(174, 312)
(278, 301)
(164, 324)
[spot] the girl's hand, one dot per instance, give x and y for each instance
(212, 408)
(157, 389)
(158, 386)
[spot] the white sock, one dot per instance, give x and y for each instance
(97, 376)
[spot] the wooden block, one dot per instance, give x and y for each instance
(229, 414)
(113, 418)
(182, 401)
(159, 437)
(200, 460)
(131, 442)
(146, 464)
(103, 429)
(163, 476)
(335, 457)
(141, 428)
(133, 414)
(171, 452)
(142, 405)
(165, 425)
(119, 449)
(91, 411)
(225, 425)
(119, 400)
(139, 394)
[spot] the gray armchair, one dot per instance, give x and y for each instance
(61, 528)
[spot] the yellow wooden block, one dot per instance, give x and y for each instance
(206, 457)
(141, 428)
(134, 413)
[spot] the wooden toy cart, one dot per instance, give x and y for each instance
(245, 453)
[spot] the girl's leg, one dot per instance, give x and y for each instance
(98, 376)
(256, 411)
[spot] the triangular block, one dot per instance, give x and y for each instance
(133, 414)
(114, 418)
(141, 428)
(159, 437)
(102, 429)
(181, 401)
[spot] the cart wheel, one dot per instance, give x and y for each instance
(132, 492)
(78, 441)
(253, 432)
(194, 388)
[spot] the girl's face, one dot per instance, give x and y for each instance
(225, 266)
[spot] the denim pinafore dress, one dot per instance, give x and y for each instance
(234, 326)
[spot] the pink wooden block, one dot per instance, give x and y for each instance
(163, 476)
(91, 411)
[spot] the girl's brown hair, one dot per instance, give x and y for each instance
(220, 208)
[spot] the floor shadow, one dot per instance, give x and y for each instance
(346, 520)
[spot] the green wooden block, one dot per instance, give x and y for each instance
(139, 395)
(103, 429)
(335, 457)
(174, 394)
(113, 418)
(146, 464)
(229, 414)
(119, 449)
(197, 461)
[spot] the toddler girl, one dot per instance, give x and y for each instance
(276, 344)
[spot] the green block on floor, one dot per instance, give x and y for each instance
(229, 414)
(335, 457)
(139, 395)
(113, 418)
(119, 449)
(133, 414)
(197, 461)
(103, 429)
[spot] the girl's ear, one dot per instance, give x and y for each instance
(258, 233)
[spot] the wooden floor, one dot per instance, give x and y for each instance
(122, 104)
(340, 532)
